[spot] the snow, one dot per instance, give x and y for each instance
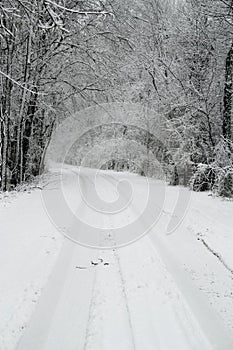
(29, 245)
(165, 291)
(209, 219)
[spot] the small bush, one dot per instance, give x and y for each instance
(203, 178)
(174, 177)
(223, 165)
(224, 182)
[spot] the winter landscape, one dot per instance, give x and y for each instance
(116, 175)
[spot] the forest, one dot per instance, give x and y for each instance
(58, 57)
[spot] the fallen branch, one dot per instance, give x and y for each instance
(217, 255)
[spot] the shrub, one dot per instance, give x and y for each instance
(224, 182)
(203, 178)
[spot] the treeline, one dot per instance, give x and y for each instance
(46, 56)
(173, 57)
(182, 67)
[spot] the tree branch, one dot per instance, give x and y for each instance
(78, 11)
(20, 85)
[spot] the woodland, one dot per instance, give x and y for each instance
(58, 57)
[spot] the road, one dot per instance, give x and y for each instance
(103, 297)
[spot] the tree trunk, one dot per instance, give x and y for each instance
(20, 129)
(47, 142)
(5, 105)
(4, 154)
(228, 90)
(27, 131)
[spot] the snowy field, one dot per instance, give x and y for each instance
(165, 291)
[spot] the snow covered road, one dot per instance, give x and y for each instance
(135, 297)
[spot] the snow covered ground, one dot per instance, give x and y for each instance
(29, 245)
(165, 291)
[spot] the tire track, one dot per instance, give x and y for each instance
(113, 295)
(122, 280)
